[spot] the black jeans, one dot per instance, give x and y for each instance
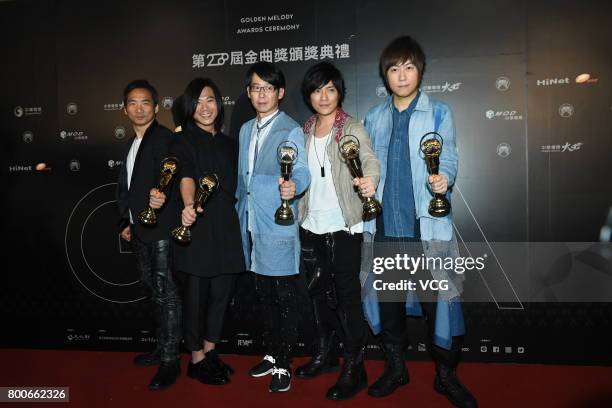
(154, 261)
(332, 263)
(393, 314)
(277, 297)
(205, 301)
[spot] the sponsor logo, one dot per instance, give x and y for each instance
(446, 87)
(381, 92)
(227, 101)
(28, 136)
(78, 337)
(483, 349)
(22, 168)
(167, 102)
(120, 132)
(495, 349)
(502, 84)
(504, 150)
(73, 336)
(17, 168)
(113, 106)
(552, 81)
(78, 135)
(72, 108)
(520, 350)
(505, 114)
(586, 79)
(114, 163)
(566, 110)
(567, 147)
(245, 342)
(508, 350)
(115, 338)
(20, 111)
(421, 347)
(74, 165)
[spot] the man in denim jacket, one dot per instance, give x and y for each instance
(405, 189)
(272, 251)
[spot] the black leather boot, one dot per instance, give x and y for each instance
(166, 375)
(148, 359)
(322, 360)
(353, 377)
(395, 374)
(446, 382)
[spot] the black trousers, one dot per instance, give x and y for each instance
(393, 314)
(332, 263)
(205, 301)
(394, 331)
(277, 297)
(154, 261)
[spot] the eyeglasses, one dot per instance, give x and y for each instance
(261, 88)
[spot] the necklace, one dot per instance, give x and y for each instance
(314, 141)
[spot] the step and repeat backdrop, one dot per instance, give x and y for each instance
(528, 82)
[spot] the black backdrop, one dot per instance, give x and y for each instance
(534, 142)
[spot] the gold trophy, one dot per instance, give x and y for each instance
(431, 149)
(207, 185)
(287, 154)
(349, 150)
(169, 167)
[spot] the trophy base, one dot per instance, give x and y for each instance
(283, 217)
(182, 234)
(148, 217)
(439, 207)
(371, 209)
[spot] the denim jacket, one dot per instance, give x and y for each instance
(427, 113)
(436, 233)
(276, 248)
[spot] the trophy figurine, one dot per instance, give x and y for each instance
(349, 150)
(207, 185)
(287, 154)
(169, 167)
(432, 148)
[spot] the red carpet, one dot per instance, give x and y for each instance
(104, 379)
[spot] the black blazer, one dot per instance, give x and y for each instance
(155, 146)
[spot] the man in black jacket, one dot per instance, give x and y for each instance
(142, 158)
